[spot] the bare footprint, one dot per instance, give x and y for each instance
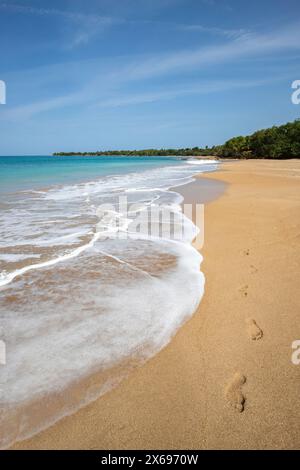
(244, 290)
(253, 269)
(234, 394)
(254, 331)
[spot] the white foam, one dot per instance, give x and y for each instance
(6, 279)
(95, 308)
(201, 162)
(15, 257)
(53, 342)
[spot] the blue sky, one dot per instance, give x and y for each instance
(110, 74)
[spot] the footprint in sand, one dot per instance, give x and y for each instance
(244, 290)
(253, 269)
(234, 394)
(254, 331)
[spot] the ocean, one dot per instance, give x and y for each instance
(87, 290)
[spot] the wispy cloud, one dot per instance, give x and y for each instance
(195, 27)
(105, 90)
(88, 25)
(91, 99)
(208, 2)
(91, 24)
(200, 88)
(245, 46)
(216, 3)
(16, 8)
(230, 33)
(30, 110)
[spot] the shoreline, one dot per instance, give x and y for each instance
(180, 398)
(43, 413)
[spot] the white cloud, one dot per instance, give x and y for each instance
(230, 33)
(93, 100)
(105, 87)
(200, 88)
(88, 25)
(248, 45)
(79, 17)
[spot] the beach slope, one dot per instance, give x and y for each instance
(227, 379)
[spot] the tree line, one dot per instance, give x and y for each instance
(277, 142)
(188, 152)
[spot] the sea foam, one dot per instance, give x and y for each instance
(90, 308)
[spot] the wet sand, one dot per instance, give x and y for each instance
(226, 380)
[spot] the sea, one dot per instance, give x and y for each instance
(86, 292)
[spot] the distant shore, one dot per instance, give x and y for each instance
(275, 143)
(138, 155)
(226, 380)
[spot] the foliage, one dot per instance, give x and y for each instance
(277, 142)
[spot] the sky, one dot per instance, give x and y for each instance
(127, 74)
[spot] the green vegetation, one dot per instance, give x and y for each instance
(278, 142)
(188, 152)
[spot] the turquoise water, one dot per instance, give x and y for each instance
(97, 273)
(26, 172)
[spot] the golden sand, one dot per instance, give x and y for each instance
(227, 379)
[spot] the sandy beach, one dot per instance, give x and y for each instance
(226, 380)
